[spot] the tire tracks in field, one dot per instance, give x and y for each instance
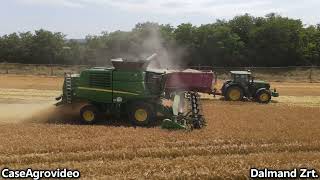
(304, 101)
(28, 94)
(195, 167)
(157, 152)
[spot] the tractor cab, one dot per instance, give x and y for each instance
(242, 77)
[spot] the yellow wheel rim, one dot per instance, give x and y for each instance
(88, 116)
(234, 94)
(264, 97)
(141, 115)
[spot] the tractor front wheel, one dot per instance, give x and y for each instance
(264, 96)
(141, 114)
(234, 93)
(89, 114)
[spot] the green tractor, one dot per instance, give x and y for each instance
(129, 88)
(242, 84)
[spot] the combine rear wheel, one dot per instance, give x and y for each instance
(89, 114)
(234, 93)
(141, 114)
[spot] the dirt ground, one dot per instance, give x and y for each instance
(281, 135)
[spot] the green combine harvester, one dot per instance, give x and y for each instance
(131, 89)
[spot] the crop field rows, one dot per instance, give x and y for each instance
(281, 135)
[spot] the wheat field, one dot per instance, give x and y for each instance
(281, 135)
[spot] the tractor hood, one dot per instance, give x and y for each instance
(261, 84)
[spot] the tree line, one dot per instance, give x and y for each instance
(245, 40)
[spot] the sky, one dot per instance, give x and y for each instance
(78, 18)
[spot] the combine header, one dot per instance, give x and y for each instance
(130, 88)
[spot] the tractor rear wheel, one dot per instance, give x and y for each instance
(234, 93)
(264, 96)
(89, 114)
(141, 114)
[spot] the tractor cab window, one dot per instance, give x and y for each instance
(241, 78)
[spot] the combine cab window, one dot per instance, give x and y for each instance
(153, 82)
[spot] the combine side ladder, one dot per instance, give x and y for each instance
(68, 84)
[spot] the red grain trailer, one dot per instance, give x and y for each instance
(190, 80)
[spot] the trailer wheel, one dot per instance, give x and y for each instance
(234, 93)
(141, 114)
(89, 114)
(263, 96)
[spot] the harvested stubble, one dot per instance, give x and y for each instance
(238, 136)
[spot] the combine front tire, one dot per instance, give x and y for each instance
(263, 96)
(141, 114)
(234, 93)
(89, 114)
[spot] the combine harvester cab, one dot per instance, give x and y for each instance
(129, 88)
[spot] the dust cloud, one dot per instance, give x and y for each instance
(37, 113)
(167, 57)
(169, 54)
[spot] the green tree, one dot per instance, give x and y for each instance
(242, 26)
(185, 34)
(47, 47)
(276, 42)
(217, 45)
(311, 46)
(9, 48)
